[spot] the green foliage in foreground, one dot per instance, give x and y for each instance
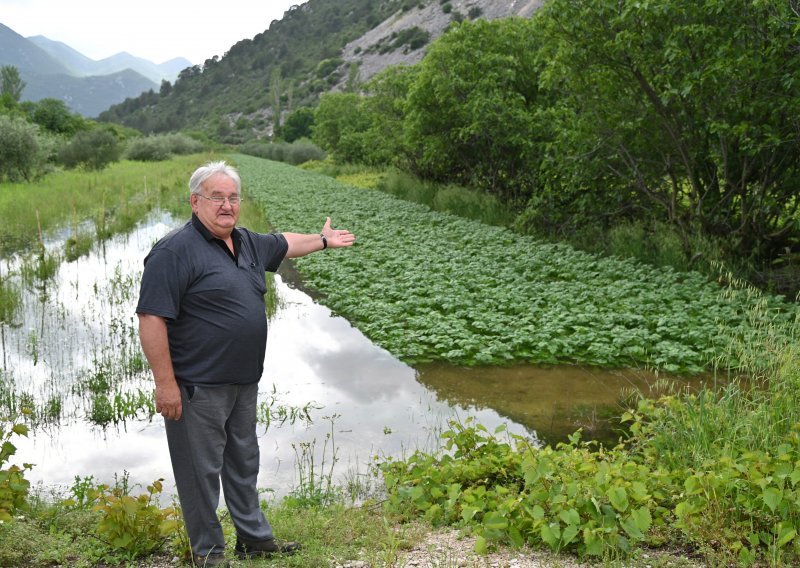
(719, 468)
(432, 286)
(600, 502)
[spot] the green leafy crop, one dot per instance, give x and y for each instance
(433, 286)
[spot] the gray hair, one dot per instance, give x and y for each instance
(203, 173)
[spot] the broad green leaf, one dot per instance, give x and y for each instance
(481, 547)
(618, 498)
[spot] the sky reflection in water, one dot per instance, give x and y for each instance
(371, 403)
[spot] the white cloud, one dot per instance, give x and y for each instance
(157, 30)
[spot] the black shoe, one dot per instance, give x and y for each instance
(264, 548)
(213, 559)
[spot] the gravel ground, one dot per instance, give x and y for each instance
(448, 549)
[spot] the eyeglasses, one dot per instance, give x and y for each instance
(234, 200)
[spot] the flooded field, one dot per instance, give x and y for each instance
(328, 395)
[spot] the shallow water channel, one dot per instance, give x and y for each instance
(74, 357)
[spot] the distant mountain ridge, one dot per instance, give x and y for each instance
(52, 69)
(83, 66)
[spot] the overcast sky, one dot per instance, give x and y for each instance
(157, 30)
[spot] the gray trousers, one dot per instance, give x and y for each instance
(214, 440)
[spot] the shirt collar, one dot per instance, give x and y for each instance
(236, 236)
(198, 224)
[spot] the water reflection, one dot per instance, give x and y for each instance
(370, 403)
(556, 401)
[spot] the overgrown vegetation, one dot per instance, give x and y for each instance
(594, 117)
(432, 286)
(717, 469)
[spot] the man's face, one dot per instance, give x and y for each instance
(219, 218)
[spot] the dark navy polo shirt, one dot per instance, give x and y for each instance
(212, 301)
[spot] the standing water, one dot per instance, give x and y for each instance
(74, 358)
(327, 394)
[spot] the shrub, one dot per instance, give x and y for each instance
(134, 526)
(405, 186)
(472, 204)
(303, 150)
(148, 149)
(13, 485)
(161, 147)
(92, 149)
(20, 148)
(182, 144)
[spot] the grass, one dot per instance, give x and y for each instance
(114, 199)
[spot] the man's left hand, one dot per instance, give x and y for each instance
(337, 238)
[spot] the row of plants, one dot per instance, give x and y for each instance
(432, 286)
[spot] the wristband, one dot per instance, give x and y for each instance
(324, 241)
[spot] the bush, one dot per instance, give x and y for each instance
(161, 147)
(275, 151)
(92, 149)
(303, 150)
(134, 526)
(405, 186)
(297, 152)
(182, 144)
(21, 149)
(471, 204)
(148, 149)
(13, 485)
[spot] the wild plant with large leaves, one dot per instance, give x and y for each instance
(431, 286)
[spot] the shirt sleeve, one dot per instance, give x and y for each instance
(272, 249)
(164, 281)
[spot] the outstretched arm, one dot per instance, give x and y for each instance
(301, 244)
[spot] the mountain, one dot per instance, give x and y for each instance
(88, 96)
(26, 56)
(313, 49)
(83, 66)
(60, 72)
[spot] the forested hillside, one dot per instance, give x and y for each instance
(317, 46)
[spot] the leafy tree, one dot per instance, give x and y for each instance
(12, 84)
(688, 108)
(54, 116)
(472, 110)
(92, 149)
(165, 89)
(20, 148)
(339, 126)
(385, 105)
(298, 125)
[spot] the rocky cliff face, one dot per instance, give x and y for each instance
(373, 51)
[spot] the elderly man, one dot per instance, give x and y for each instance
(203, 329)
